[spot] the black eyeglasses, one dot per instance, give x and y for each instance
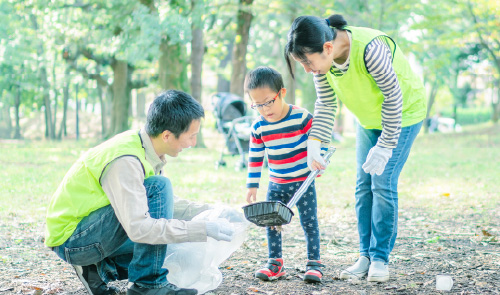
(266, 104)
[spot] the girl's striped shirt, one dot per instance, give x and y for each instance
(286, 144)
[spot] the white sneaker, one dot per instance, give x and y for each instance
(358, 270)
(379, 272)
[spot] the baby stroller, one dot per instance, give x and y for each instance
(231, 121)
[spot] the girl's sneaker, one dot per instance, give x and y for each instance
(313, 271)
(272, 271)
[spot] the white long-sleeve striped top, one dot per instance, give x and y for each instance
(378, 60)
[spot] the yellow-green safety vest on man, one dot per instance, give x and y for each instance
(81, 193)
(359, 92)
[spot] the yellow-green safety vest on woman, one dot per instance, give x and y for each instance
(359, 92)
(81, 193)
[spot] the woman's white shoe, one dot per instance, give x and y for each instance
(358, 270)
(378, 272)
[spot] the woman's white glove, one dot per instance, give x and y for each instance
(220, 229)
(314, 153)
(376, 160)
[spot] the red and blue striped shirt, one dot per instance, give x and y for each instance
(285, 142)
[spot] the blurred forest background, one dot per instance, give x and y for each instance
(89, 68)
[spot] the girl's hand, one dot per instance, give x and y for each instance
(251, 195)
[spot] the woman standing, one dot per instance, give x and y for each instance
(367, 71)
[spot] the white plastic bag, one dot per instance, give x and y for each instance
(196, 265)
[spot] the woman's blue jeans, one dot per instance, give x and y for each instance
(377, 195)
(100, 239)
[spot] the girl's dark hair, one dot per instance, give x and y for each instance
(172, 110)
(263, 77)
(308, 34)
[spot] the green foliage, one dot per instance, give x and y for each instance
(448, 39)
(469, 116)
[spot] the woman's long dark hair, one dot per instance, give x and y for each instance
(308, 34)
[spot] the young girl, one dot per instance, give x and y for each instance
(282, 131)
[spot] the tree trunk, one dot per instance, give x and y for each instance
(430, 103)
(5, 116)
(495, 116)
(49, 131)
(103, 110)
(308, 98)
(17, 105)
(492, 52)
(223, 85)
(62, 128)
(455, 116)
(290, 85)
(54, 88)
(381, 18)
(173, 67)
(121, 97)
(77, 111)
(244, 20)
(339, 120)
(197, 52)
(141, 104)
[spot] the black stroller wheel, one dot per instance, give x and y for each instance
(220, 163)
(240, 166)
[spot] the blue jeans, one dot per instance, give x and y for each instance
(100, 239)
(377, 196)
(307, 207)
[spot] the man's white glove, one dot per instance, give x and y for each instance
(376, 160)
(220, 229)
(314, 153)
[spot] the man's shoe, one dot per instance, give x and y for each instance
(169, 289)
(93, 282)
(313, 271)
(272, 271)
(358, 270)
(379, 272)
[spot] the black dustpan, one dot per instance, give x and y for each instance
(274, 213)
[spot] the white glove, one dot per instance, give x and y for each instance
(314, 153)
(221, 230)
(376, 160)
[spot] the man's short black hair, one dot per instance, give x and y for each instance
(172, 110)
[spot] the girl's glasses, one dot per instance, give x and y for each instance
(266, 104)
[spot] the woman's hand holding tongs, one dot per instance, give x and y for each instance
(251, 195)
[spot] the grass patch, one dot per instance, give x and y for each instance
(447, 175)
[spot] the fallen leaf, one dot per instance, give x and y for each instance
(486, 233)
(253, 289)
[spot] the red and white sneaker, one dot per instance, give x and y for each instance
(272, 271)
(313, 271)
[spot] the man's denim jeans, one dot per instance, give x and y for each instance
(377, 196)
(100, 239)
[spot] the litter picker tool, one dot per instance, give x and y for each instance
(275, 213)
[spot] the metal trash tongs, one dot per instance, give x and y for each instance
(305, 185)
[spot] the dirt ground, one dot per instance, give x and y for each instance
(425, 248)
